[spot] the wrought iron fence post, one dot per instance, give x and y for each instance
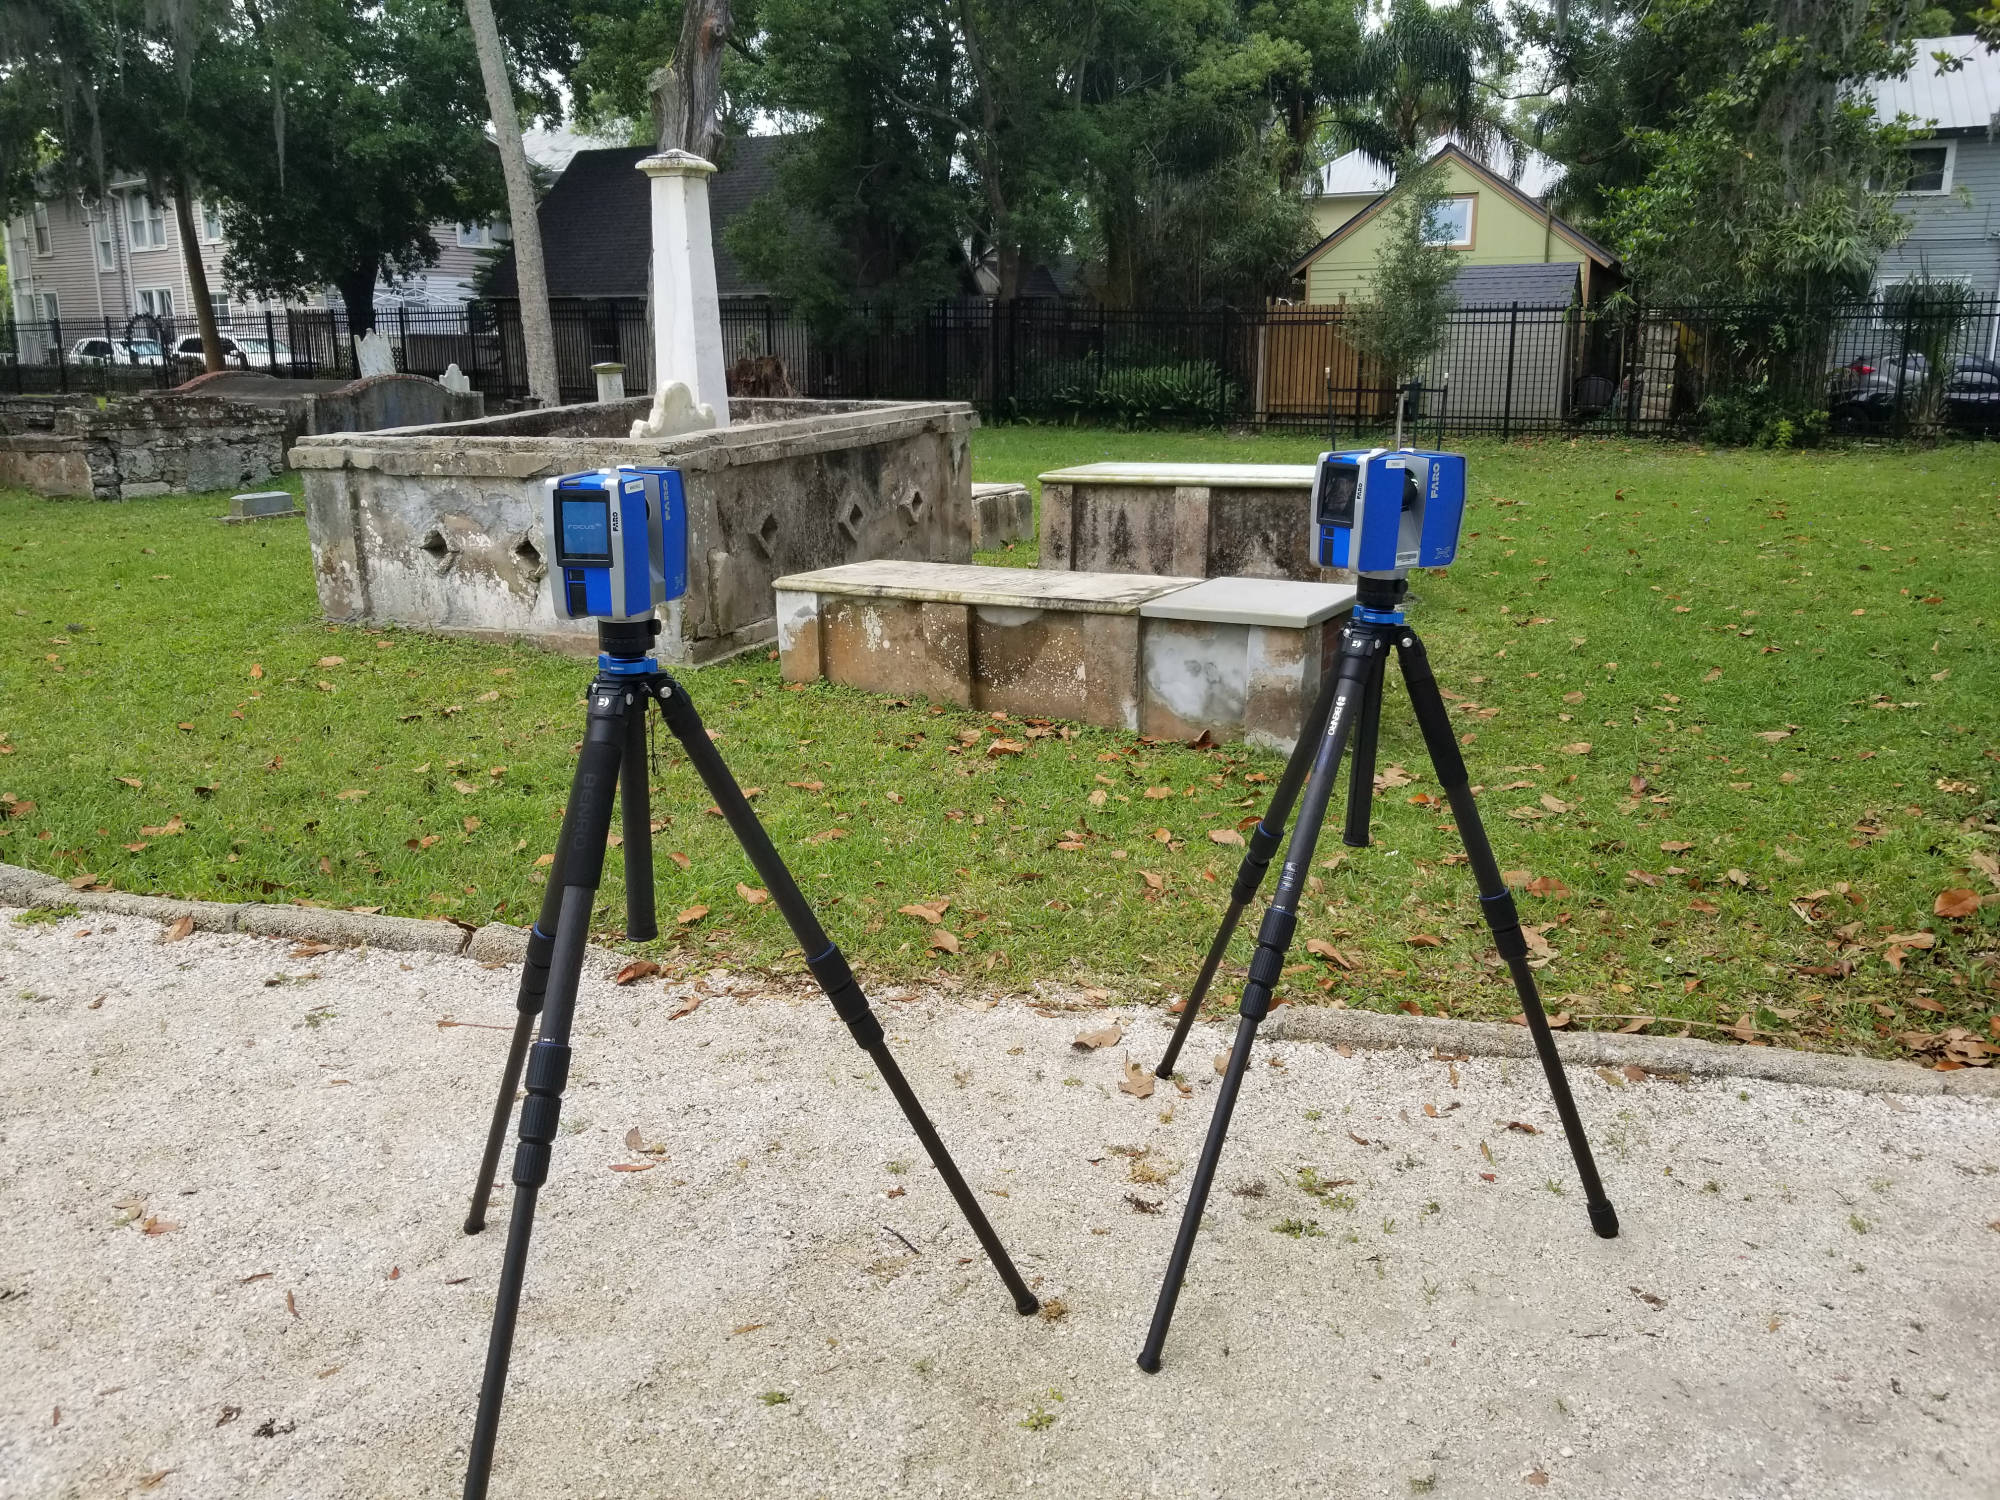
(1507, 399)
(1634, 341)
(62, 364)
(403, 337)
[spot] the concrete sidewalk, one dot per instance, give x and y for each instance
(1803, 1302)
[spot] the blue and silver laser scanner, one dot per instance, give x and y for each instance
(1386, 511)
(620, 541)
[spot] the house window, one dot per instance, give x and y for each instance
(157, 300)
(475, 236)
(1930, 168)
(219, 301)
(211, 223)
(106, 236)
(44, 242)
(149, 224)
(1451, 223)
(51, 308)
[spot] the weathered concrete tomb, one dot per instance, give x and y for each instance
(1001, 513)
(70, 447)
(1238, 658)
(440, 526)
(1191, 520)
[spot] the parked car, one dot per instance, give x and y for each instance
(100, 351)
(189, 350)
(262, 353)
(1972, 396)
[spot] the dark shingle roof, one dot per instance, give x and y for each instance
(1534, 284)
(596, 221)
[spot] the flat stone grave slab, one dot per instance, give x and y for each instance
(262, 505)
(1188, 520)
(1240, 660)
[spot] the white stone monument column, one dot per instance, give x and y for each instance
(689, 383)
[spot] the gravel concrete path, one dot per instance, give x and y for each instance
(1803, 1302)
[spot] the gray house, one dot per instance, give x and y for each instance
(1953, 196)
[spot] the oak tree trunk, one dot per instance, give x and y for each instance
(531, 280)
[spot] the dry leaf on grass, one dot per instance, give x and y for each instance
(691, 914)
(751, 894)
(1225, 836)
(1956, 903)
(930, 913)
(942, 939)
(1581, 747)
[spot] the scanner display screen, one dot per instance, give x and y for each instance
(586, 530)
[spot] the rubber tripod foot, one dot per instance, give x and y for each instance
(1027, 1304)
(473, 1226)
(1150, 1363)
(1604, 1219)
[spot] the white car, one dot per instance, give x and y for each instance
(98, 351)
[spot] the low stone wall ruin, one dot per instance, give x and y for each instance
(68, 447)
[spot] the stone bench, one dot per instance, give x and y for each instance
(1187, 520)
(1237, 658)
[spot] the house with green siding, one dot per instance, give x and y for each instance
(1491, 220)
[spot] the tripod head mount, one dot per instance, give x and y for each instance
(1378, 598)
(624, 646)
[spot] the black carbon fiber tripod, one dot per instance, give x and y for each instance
(1350, 703)
(613, 756)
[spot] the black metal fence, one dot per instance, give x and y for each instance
(1734, 374)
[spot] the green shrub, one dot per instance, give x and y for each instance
(1757, 416)
(1191, 392)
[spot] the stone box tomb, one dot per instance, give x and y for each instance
(1190, 520)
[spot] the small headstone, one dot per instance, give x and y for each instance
(261, 505)
(610, 380)
(373, 356)
(455, 379)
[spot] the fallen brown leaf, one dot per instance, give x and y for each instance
(1225, 836)
(179, 930)
(1105, 1036)
(638, 969)
(687, 1008)
(691, 914)
(1956, 903)
(751, 894)
(1137, 1081)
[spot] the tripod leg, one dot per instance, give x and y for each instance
(1257, 852)
(527, 1006)
(1497, 902)
(1361, 766)
(828, 967)
(635, 804)
(586, 828)
(1359, 649)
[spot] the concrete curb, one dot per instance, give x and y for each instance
(1606, 1049)
(497, 943)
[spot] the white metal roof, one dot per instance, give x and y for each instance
(1966, 99)
(1358, 172)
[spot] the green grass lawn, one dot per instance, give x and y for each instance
(1783, 667)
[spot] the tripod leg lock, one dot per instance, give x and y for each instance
(535, 971)
(1274, 937)
(837, 979)
(1506, 924)
(1256, 859)
(548, 1073)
